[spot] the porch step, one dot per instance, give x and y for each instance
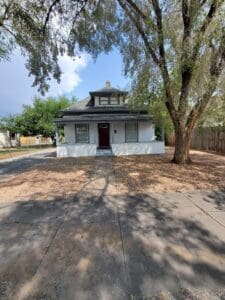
(104, 152)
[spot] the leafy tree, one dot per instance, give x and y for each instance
(37, 118)
(181, 41)
(214, 114)
(150, 96)
(35, 28)
(10, 123)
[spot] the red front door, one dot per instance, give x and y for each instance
(103, 133)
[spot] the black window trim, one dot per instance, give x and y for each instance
(137, 135)
(88, 142)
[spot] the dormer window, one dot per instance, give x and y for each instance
(107, 96)
(114, 100)
(103, 100)
(109, 100)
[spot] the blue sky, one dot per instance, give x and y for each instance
(79, 77)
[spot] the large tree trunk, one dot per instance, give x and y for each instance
(182, 145)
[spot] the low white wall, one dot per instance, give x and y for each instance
(154, 147)
(76, 150)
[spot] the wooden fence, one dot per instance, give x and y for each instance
(209, 139)
(34, 140)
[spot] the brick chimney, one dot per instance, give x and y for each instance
(108, 84)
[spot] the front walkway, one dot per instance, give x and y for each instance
(102, 244)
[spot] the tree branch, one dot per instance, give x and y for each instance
(187, 60)
(137, 9)
(216, 67)
(4, 17)
(141, 31)
(48, 15)
(162, 61)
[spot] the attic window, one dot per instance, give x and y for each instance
(114, 100)
(103, 100)
(111, 100)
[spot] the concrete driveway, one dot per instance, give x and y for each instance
(101, 244)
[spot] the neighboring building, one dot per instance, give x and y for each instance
(103, 124)
(8, 139)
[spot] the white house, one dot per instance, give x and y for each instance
(103, 124)
(8, 139)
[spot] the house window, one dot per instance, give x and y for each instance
(114, 100)
(111, 100)
(103, 100)
(82, 133)
(131, 132)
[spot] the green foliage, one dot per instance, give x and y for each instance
(151, 97)
(10, 123)
(21, 25)
(37, 118)
(214, 114)
(44, 30)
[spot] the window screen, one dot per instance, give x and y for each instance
(131, 132)
(82, 133)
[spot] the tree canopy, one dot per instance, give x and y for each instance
(37, 119)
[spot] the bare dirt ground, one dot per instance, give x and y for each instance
(156, 172)
(148, 173)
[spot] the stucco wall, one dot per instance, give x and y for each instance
(146, 132)
(117, 132)
(154, 147)
(76, 150)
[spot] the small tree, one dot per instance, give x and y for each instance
(37, 118)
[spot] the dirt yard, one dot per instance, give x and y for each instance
(157, 173)
(56, 178)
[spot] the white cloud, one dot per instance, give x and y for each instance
(70, 74)
(16, 86)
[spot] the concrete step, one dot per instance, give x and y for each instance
(104, 152)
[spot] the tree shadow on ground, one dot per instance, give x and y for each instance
(216, 198)
(49, 179)
(157, 173)
(107, 246)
